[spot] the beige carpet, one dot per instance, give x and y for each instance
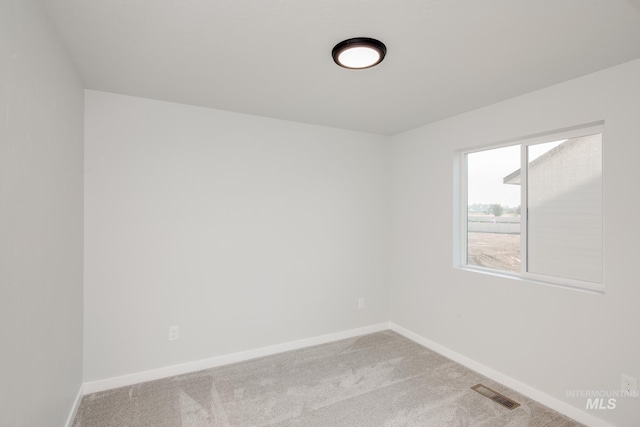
(377, 380)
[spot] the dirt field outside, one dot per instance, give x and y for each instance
(492, 250)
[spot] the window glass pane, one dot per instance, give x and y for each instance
(493, 209)
(564, 197)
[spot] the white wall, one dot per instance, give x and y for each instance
(243, 231)
(40, 221)
(550, 338)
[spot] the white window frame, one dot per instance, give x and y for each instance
(461, 210)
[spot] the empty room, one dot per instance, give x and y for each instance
(354, 213)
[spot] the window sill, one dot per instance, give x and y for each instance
(574, 285)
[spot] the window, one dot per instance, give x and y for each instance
(541, 222)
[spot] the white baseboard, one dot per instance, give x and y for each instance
(198, 365)
(520, 387)
(74, 408)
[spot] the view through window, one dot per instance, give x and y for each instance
(493, 209)
(546, 221)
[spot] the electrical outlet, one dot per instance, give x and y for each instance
(361, 303)
(173, 333)
(629, 385)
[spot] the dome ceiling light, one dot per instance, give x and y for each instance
(359, 53)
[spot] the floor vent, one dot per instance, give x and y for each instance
(495, 396)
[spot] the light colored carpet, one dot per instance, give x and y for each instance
(377, 380)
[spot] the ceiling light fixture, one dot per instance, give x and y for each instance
(359, 53)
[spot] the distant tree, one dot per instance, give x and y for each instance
(497, 209)
(518, 210)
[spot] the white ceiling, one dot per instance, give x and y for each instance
(273, 57)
